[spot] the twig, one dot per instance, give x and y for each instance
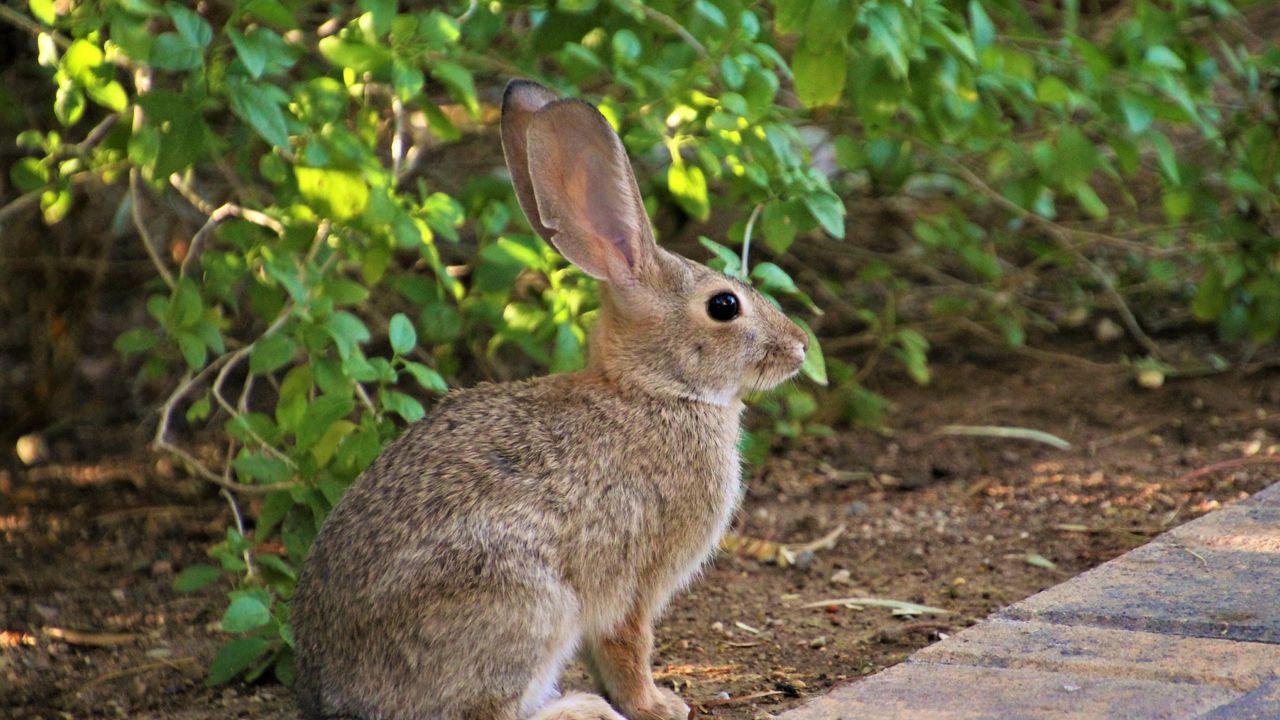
(1179, 546)
(90, 639)
(22, 22)
(142, 82)
(898, 606)
(24, 201)
(1229, 464)
(249, 569)
(746, 238)
(739, 699)
(1015, 433)
(397, 137)
(670, 23)
(117, 674)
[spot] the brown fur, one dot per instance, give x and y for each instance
(521, 523)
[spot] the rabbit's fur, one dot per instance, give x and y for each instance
(522, 523)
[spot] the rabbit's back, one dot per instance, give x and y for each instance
(561, 501)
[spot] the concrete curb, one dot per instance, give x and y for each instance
(1187, 626)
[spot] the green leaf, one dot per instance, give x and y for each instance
(1090, 202)
(429, 379)
(1166, 156)
(789, 15)
(110, 95)
(688, 185)
(1052, 91)
(337, 194)
(234, 658)
(320, 414)
(402, 335)
(815, 365)
(982, 29)
(403, 405)
(772, 278)
(355, 56)
(193, 349)
(136, 340)
(28, 174)
(252, 54)
(460, 84)
(185, 306)
(886, 33)
(244, 614)
(819, 75)
(407, 80)
(566, 354)
(83, 63)
(191, 27)
(828, 22)
(271, 353)
(259, 105)
(778, 228)
(44, 11)
(1163, 57)
(195, 577)
(54, 204)
(68, 104)
(171, 51)
(1137, 113)
(828, 210)
(913, 351)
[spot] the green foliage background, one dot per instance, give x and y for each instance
(1055, 161)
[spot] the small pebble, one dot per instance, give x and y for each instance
(841, 577)
(722, 695)
(717, 626)
(818, 642)
(857, 507)
(805, 560)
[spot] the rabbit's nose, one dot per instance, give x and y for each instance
(800, 348)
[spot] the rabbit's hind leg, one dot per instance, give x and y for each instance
(578, 706)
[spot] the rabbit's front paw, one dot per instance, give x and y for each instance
(660, 704)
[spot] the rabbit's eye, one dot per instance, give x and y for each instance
(723, 306)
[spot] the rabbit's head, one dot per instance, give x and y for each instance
(667, 325)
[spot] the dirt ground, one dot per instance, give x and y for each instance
(92, 541)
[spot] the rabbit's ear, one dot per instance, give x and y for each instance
(520, 101)
(586, 194)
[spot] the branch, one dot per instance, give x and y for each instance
(746, 237)
(670, 23)
(1062, 235)
(216, 216)
(135, 197)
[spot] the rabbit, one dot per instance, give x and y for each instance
(520, 524)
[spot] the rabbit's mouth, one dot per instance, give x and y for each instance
(778, 365)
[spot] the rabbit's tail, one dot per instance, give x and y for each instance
(578, 706)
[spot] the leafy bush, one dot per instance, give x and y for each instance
(329, 284)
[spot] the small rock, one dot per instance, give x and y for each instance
(857, 507)
(805, 560)
(1106, 330)
(31, 449)
(841, 577)
(722, 695)
(818, 642)
(717, 626)
(117, 594)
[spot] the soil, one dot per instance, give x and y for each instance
(92, 540)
